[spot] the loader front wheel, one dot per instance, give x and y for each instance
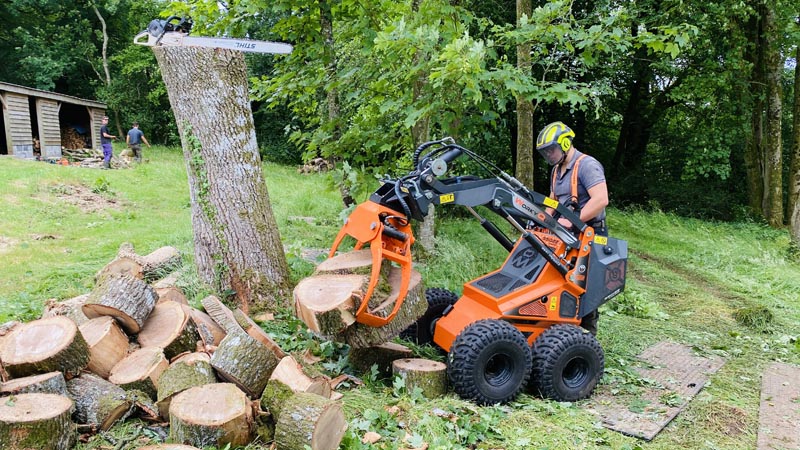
(421, 332)
(568, 363)
(489, 362)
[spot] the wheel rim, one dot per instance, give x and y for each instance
(499, 370)
(575, 373)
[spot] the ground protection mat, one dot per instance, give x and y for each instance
(674, 375)
(779, 414)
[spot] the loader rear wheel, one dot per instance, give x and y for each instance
(568, 363)
(421, 332)
(489, 362)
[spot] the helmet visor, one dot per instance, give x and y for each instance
(552, 154)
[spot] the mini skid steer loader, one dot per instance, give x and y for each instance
(517, 326)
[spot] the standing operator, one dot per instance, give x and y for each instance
(134, 140)
(577, 181)
(105, 142)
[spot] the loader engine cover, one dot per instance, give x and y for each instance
(606, 273)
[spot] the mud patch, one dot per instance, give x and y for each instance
(6, 244)
(83, 197)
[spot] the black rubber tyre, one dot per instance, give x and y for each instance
(568, 363)
(421, 332)
(489, 362)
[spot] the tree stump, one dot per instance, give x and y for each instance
(47, 383)
(37, 421)
(170, 327)
(68, 308)
(414, 306)
(362, 359)
(210, 332)
(97, 401)
(429, 376)
(186, 372)
(211, 415)
(244, 361)
(108, 344)
(44, 345)
(140, 370)
(127, 299)
(255, 331)
(310, 420)
(120, 266)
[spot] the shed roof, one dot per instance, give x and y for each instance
(8, 87)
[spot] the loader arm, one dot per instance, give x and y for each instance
(383, 222)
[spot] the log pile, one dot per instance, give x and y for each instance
(70, 139)
(93, 158)
(125, 350)
(328, 300)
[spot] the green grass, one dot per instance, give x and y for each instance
(688, 282)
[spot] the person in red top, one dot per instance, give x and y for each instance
(578, 181)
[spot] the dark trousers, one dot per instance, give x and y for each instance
(137, 151)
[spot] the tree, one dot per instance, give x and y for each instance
(237, 244)
(524, 157)
(794, 173)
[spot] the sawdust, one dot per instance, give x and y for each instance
(82, 197)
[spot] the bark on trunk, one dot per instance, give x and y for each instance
(309, 420)
(40, 421)
(794, 173)
(362, 359)
(108, 345)
(127, 299)
(48, 383)
(753, 160)
(429, 376)
(170, 327)
(97, 401)
(229, 361)
(140, 370)
(524, 163)
(236, 239)
(774, 147)
(44, 345)
(211, 415)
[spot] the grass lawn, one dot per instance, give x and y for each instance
(687, 281)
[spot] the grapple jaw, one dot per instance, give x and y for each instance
(388, 234)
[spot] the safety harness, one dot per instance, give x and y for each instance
(573, 199)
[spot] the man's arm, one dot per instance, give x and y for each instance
(128, 139)
(144, 139)
(598, 199)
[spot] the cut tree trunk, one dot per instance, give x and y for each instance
(44, 345)
(362, 359)
(37, 421)
(208, 329)
(47, 383)
(430, 376)
(327, 303)
(68, 308)
(287, 379)
(244, 361)
(255, 331)
(309, 420)
(171, 293)
(170, 327)
(155, 264)
(140, 370)
(186, 372)
(127, 299)
(237, 242)
(97, 401)
(211, 415)
(107, 343)
(120, 266)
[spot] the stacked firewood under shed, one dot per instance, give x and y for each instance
(134, 347)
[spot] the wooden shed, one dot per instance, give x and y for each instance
(32, 115)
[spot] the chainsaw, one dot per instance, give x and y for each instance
(174, 31)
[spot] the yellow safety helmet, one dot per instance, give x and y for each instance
(555, 133)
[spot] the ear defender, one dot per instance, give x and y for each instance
(564, 140)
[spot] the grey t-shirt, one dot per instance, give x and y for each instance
(135, 136)
(590, 174)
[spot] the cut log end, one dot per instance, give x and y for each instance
(38, 421)
(211, 415)
(425, 374)
(44, 345)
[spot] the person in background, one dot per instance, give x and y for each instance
(105, 142)
(134, 140)
(577, 181)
